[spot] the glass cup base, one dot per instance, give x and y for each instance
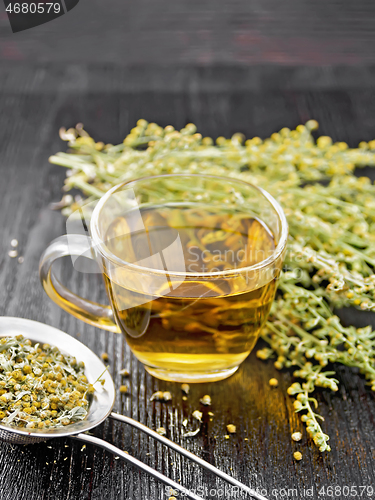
(210, 376)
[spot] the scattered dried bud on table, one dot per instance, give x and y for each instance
(185, 388)
(297, 455)
(206, 400)
(167, 396)
(296, 436)
(231, 429)
(161, 431)
(273, 382)
(197, 415)
(124, 373)
(191, 433)
(105, 356)
(157, 396)
(123, 389)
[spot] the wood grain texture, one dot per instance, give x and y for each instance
(261, 453)
(202, 32)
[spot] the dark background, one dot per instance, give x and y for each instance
(201, 32)
(249, 66)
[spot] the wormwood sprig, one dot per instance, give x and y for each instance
(303, 404)
(331, 252)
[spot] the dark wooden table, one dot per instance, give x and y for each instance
(202, 32)
(34, 102)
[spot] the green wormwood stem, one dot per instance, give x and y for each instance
(331, 251)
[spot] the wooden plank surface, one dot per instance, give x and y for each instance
(201, 32)
(30, 116)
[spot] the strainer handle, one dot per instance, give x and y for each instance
(86, 438)
(93, 313)
(182, 451)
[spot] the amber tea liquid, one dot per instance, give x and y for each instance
(200, 326)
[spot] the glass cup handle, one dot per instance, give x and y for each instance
(92, 313)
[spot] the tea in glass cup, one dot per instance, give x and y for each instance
(190, 265)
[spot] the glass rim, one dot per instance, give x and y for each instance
(99, 243)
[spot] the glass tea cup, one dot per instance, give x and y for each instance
(190, 265)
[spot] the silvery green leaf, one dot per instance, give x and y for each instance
(11, 417)
(11, 342)
(21, 395)
(77, 413)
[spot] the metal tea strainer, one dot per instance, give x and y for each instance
(100, 408)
